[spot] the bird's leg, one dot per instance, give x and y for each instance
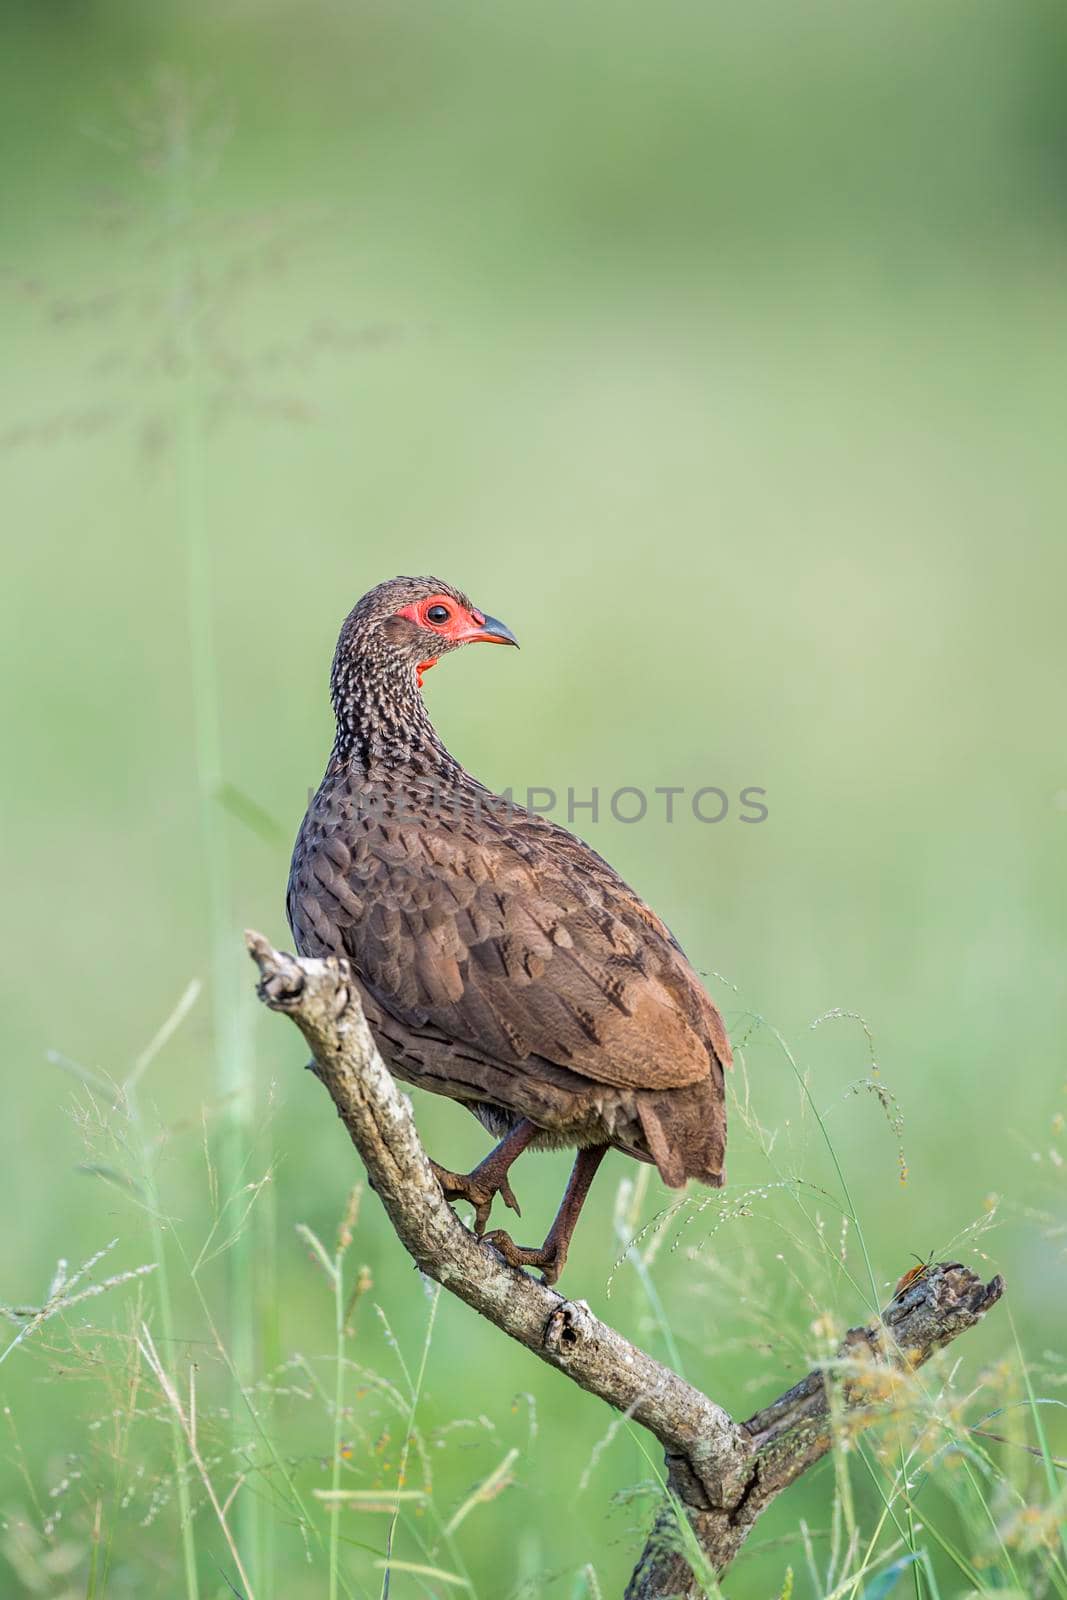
(553, 1253)
(489, 1177)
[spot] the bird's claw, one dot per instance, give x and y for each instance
(478, 1189)
(549, 1259)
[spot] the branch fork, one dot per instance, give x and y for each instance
(723, 1473)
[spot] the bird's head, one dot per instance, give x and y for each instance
(409, 623)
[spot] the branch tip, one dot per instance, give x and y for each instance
(281, 977)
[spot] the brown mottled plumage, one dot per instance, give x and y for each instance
(500, 960)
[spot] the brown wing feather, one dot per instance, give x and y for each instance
(522, 942)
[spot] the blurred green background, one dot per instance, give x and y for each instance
(718, 350)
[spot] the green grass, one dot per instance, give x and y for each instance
(934, 1498)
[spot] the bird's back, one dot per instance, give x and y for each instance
(470, 920)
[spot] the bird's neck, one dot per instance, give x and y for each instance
(383, 728)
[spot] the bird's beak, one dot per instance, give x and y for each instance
(488, 631)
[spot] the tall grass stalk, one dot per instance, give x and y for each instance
(415, 1389)
(1055, 1493)
(265, 1224)
(335, 1271)
(279, 1465)
(338, 1413)
(850, 1210)
(629, 1201)
(230, 1032)
(186, 1416)
(179, 1446)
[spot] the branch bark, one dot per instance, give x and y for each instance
(723, 1474)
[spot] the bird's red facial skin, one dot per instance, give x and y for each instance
(459, 623)
(461, 626)
(423, 667)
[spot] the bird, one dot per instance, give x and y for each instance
(499, 959)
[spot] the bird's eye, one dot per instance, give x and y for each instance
(438, 614)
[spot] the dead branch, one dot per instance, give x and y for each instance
(722, 1473)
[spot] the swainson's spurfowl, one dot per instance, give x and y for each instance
(500, 960)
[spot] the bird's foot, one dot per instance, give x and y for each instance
(550, 1258)
(480, 1187)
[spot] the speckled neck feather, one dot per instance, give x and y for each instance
(382, 723)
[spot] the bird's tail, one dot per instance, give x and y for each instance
(685, 1130)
